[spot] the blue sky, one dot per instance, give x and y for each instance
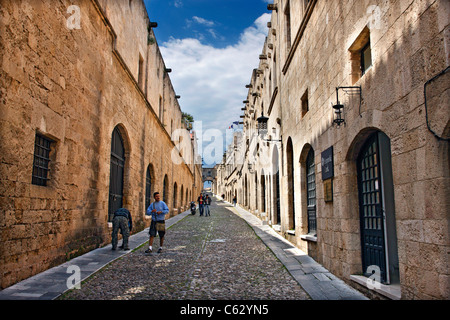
(216, 22)
(212, 46)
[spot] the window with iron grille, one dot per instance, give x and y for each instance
(41, 160)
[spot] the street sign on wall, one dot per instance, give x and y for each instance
(327, 164)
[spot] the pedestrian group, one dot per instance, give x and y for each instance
(204, 201)
(157, 211)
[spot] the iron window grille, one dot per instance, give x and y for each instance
(41, 160)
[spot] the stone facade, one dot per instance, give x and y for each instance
(76, 75)
(393, 198)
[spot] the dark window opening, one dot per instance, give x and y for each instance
(287, 14)
(305, 103)
(41, 160)
(141, 72)
(366, 58)
(361, 55)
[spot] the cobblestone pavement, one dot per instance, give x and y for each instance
(204, 258)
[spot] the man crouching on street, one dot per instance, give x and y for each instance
(122, 220)
(158, 211)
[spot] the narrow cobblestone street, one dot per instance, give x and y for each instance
(204, 258)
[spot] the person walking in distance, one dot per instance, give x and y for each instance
(234, 201)
(122, 220)
(201, 203)
(158, 211)
(207, 204)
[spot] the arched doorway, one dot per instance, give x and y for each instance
(263, 192)
(290, 177)
(175, 196)
(182, 200)
(276, 186)
(311, 193)
(377, 209)
(148, 187)
(117, 171)
(165, 189)
(256, 191)
(245, 192)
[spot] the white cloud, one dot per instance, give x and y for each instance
(178, 4)
(211, 81)
(213, 33)
(203, 21)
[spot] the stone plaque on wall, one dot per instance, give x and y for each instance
(328, 190)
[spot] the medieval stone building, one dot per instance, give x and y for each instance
(350, 160)
(89, 122)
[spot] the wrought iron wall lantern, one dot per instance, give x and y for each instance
(262, 128)
(262, 125)
(338, 110)
(339, 118)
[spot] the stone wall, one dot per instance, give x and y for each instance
(75, 86)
